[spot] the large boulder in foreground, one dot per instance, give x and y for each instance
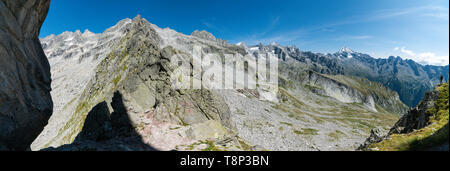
(25, 101)
(424, 128)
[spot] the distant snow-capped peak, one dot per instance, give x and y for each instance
(346, 50)
(241, 44)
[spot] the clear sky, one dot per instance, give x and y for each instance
(413, 29)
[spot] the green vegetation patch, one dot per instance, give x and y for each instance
(211, 146)
(312, 88)
(336, 135)
(285, 123)
(307, 131)
(245, 146)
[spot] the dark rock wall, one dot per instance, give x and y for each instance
(25, 101)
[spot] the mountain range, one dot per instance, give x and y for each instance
(409, 79)
(324, 101)
(114, 91)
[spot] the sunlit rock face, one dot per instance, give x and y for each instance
(25, 101)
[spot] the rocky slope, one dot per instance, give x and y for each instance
(138, 71)
(423, 128)
(73, 57)
(123, 92)
(25, 101)
(347, 89)
(410, 79)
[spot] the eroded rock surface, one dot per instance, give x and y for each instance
(416, 118)
(422, 128)
(25, 101)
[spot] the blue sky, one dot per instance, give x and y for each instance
(413, 29)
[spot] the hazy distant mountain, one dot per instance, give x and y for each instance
(410, 79)
(25, 101)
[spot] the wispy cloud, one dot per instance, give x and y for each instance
(407, 52)
(438, 15)
(212, 27)
(293, 35)
(357, 37)
(431, 11)
(426, 58)
(260, 36)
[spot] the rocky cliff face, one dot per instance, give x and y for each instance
(138, 71)
(133, 61)
(333, 88)
(346, 89)
(73, 57)
(355, 90)
(408, 78)
(25, 101)
(416, 118)
(422, 128)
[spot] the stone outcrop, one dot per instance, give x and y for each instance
(25, 101)
(330, 87)
(415, 119)
(422, 128)
(376, 135)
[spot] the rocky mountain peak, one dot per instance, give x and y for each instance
(138, 17)
(142, 25)
(204, 35)
(78, 32)
(397, 58)
(88, 33)
(119, 26)
(346, 50)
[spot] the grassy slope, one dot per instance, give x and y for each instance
(371, 88)
(353, 115)
(435, 134)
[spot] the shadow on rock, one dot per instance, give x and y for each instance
(435, 142)
(105, 131)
